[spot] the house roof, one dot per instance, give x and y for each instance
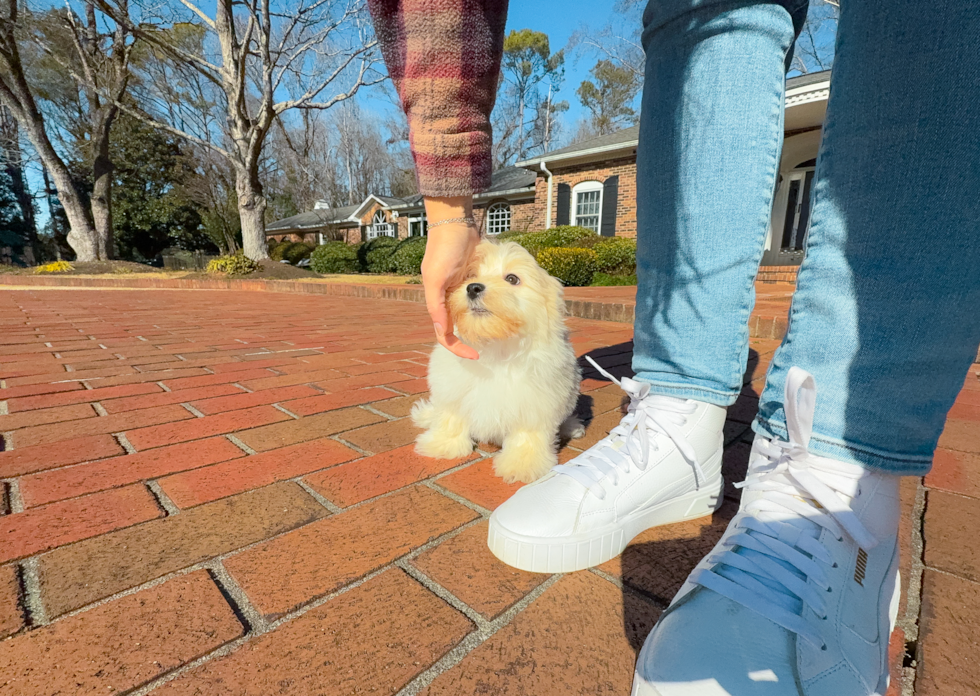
(814, 85)
(312, 219)
(509, 180)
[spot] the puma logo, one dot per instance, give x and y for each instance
(861, 567)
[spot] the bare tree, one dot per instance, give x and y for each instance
(16, 95)
(814, 48)
(263, 51)
(103, 78)
(617, 42)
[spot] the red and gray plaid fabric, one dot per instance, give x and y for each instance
(444, 58)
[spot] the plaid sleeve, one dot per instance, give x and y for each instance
(444, 58)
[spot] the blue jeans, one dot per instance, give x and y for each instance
(886, 313)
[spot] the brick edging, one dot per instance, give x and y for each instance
(759, 327)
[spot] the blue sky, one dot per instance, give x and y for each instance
(559, 19)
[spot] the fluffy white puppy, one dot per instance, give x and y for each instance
(522, 392)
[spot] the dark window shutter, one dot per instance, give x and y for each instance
(564, 204)
(610, 201)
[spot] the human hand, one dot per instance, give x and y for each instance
(447, 253)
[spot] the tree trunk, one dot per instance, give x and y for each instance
(251, 210)
(102, 191)
(81, 235)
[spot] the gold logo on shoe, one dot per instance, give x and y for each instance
(861, 567)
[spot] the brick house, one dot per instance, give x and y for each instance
(593, 184)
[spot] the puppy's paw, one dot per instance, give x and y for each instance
(423, 413)
(525, 457)
(439, 445)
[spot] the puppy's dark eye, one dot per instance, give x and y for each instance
(512, 279)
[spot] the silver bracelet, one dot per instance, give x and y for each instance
(468, 220)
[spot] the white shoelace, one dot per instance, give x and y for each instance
(628, 444)
(773, 548)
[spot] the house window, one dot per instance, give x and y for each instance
(587, 205)
(498, 218)
(380, 227)
(418, 227)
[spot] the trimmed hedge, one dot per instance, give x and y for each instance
(604, 279)
(296, 252)
(335, 257)
(569, 265)
(562, 236)
(277, 250)
(239, 264)
(375, 255)
(407, 256)
(616, 255)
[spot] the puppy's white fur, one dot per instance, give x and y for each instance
(522, 392)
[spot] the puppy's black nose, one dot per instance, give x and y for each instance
(473, 290)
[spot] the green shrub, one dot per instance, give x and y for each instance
(407, 256)
(570, 266)
(335, 257)
(562, 236)
(375, 255)
(239, 264)
(276, 252)
(616, 255)
(296, 252)
(604, 279)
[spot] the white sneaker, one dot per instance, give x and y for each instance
(661, 464)
(800, 595)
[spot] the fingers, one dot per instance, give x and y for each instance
(435, 301)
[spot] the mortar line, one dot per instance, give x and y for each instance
(239, 444)
(31, 584)
(286, 411)
(371, 409)
(270, 626)
(163, 386)
(473, 641)
(455, 497)
(197, 414)
(444, 594)
(163, 500)
(909, 623)
(243, 388)
(626, 587)
(351, 445)
(14, 499)
(99, 408)
(334, 509)
(124, 441)
(251, 617)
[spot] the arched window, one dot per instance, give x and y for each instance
(587, 205)
(380, 227)
(498, 218)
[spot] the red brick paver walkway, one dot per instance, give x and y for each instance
(214, 492)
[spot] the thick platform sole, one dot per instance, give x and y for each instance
(580, 551)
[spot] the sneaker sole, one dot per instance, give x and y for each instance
(581, 551)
